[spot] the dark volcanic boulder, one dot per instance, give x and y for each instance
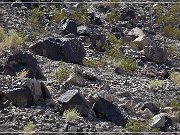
(73, 99)
(20, 97)
(18, 61)
(66, 49)
(156, 54)
(107, 110)
(70, 26)
(83, 31)
(128, 13)
(151, 106)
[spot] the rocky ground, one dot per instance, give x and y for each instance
(106, 97)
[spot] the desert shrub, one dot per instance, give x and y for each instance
(169, 19)
(93, 62)
(138, 126)
(71, 115)
(58, 15)
(28, 129)
(12, 39)
(63, 72)
(126, 64)
(34, 15)
(154, 84)
(113, 17)
(175, 77)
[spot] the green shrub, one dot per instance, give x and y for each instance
(28, 129)
(138, 126)
(71, 115)
(34, 15)
(93, 62)
(12, 39)
(154, 84)
(63, 72)
(127, 64)
(175, 77)
(170, 19)
(113, 17)
(58, 15)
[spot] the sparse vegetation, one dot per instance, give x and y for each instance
(71, 115)
(154, 84)
(169, 19)
(11, 39)
(29, 128)
(113, 17)
(93, 62)
(175, 77)
(22, 74)
(175, 102)
(138, 126)
(127, 64)
(63, 72)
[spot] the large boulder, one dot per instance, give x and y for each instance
(70, 26)
(156, 54)
(162, 121)
(19, 61)
(31, 92)
(83, 31)
(109, 111)
(73, 99)
(136, 32)
(128, 13)
(20, 97)
(65, 49)
(151, 106)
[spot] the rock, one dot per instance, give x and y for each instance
(147, 114)
(73, 99)
(143, 41)
(156, 54)
(151, 106)
(19, 61)
(1, 105)
(162, 121)
(128, 13)
(76, 79)
(21, 97)
(109, 111)
(2, 94)
(98, 42)
(119, 71)
(103, 8)
(125, 94)
(65, 49)
(38, 89)
(136, 32)
(1, 69)
(126, 39)
(70, 26)
(83, 31)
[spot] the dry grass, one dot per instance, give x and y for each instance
(175, 77)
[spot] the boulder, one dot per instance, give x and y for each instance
(161, 121)
(19, 61)
(1, 105)
(73, 99)
(156, 54)
(83, 31)
(38, 89)
(128, 13)
(20, 97)
(109, 111)
(151, 106)
(98, 41)
(70, 26)
(136, 32)
(65, 49)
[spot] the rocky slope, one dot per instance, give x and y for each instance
(75, 40)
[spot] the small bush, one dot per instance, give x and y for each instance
(127, 64)
(113, 17)
(34, 15)
(63, 72)
(175, 77)
(58, 15)
(12, 39)
(71, 115)
(154, 84)
(28, 129)
(175, 102)
(138, 126)
(93, 62)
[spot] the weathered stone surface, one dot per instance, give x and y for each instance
(66, 49)
(70, 26)
(107, 110)
(18, 61)
(73, 99)
(151, 106)
(156, 54)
